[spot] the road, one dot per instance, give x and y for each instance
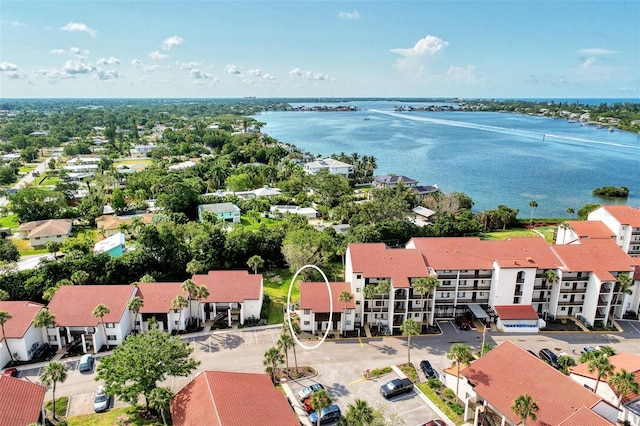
(27, 179)
(340, 363)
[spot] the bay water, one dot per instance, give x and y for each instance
(495, 158)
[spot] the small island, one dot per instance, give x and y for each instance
(611, 192)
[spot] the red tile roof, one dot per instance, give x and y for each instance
(315, 296)
(375, 260)
(508, 371)
(219, 398)
(230, 286)
(458, 253)
(591, 229)
(20, 401)
(598, 256)
(72, 304)
(626, 215)
(622, 361)
(158, 296)
(516, 312)
(584, 416)
(22, 313)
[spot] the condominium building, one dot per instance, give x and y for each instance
(624, 222)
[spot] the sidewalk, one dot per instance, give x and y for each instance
(302, 415)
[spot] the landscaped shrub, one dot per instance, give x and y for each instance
(448, 393)
(456, 408)
(380, 372)
(434, 383)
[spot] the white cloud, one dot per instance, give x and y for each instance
(588, 63)
(463, 75)
(309, 75)
(187, 65)
(14, 75)
(152, 67)
(107, 74)
(268, 77)
(428, 45)
(75, 67)
(232, 69)
(136, 63)
(415, 61)
(108, 61)
(157, 55)
(255, 73)
(78, 51)
(52, 74)
(14, 23)
(597, 51)
(78, 27)
(7, 66)
(58, 51)
(349, 15)
(199, 75)
(172, 42)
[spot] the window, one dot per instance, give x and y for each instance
(463, 282)
(348, 322)
(175, 323)
(461, 294)
(357, 315)
(110, 325)
(564, 296)
(307, 311)
(307, 323)
(357, 302)
(359, 276)
(357, 289)
(445, 295)
(112, 338)
(379, 302)
(37, 238)
(481, 293)
(137, 322)
(176, 311)
(563, 309)
(516, 300)
(53, 338)
(446, 282)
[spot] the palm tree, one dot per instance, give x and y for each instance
(287, 332)
(79, 277)
(190, 287)
(525, 407)
(4, 317)
(194, 267)
(160, 399)
(533, 204)
(202, 292)
(459, 354)
(624, 283)
(382, 288)
(4, 295)
(272, 359)
(134, 305)
(255, 262)
(409, 328)
(571, 211)
(44, 318)
(549, 276)
(423, 286)
(623, 382)
(99, 312)
(602, 366)
(369, 291)
(345, 297)
(53, 373)
(178, 304)
(320, 400)
(146, 278)
(360, 413)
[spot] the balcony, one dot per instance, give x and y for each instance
(603, 301)
(573, 290)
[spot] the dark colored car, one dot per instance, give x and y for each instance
(396, 387)
(436, 422)
(327, 415)
(549, 357)
(428, 370)
(462, 323)
(11, 372)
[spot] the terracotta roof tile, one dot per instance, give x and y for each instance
(72, 304)
(591, 229)
(621, 361)
(158, 296)
(230, 286)
(626, 215)
(516, 312)
(227, 399)
(508, 371)
(598, 256)
(20, 401)
(51, 227)
(583, 417)
(315, 296)
(375, 260)
(22, 313)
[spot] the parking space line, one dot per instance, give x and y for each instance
(454, 327)
(360, 340)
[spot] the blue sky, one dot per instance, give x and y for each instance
(218, 49)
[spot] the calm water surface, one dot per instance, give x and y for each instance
(495, 158)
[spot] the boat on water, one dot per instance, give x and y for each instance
(611, 129)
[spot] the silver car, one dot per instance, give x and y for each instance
(101, 401)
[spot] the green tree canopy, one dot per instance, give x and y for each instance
(31, 204)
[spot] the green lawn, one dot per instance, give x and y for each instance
(128, 415)
(276, 285)
(27, 168)
(253, 224)
(48, 181)
(128, 162)
(9, 221)
(546, 231)
(26, 250)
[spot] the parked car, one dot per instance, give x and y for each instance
(549, 357)
(462, 323)
(306, 404)
(428, 370)
(11, 372)
(435, 422)
(586, 349)
(396, 387)
(327, 415)
(86, 363)
(41, 351)
(306, 392)
(101, 400)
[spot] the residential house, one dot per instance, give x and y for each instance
(573, 230)
(111, 225)
(319, 312)
(83, 161)
(21, 336)
(180, 166)
(76, 324)
(225, 212)
(158, 303)
(334, 167)
(423, 216)
(113, 245)
(21, 402)
(221, 398)
(624, 222)
(40, 232)
(490, 385)
(392, 181)
(630, 402)
(265, 191)
(234, 296)
(308, 212)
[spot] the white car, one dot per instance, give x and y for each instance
(101, 401)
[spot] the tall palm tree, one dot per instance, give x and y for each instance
(533, 204)
(99, 312)
(272, 359)
(255, 262)
(571, 211)
(286, 331)
(79, 277)
(602, 366)
(360, 413)
(53, 373)
(4, 317)
(525, 407)
(624, 283)
(320, 400)
(160, 400)
(550, 276)
(202, 292)
(460, 354)
(134, 305)
(409, 328)
(382, 288)
(178, 304)
(345, 297)
(190, 287)
(286, 342)
(623, 382)
(369, 291)
(424, 286)
(44, 318)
